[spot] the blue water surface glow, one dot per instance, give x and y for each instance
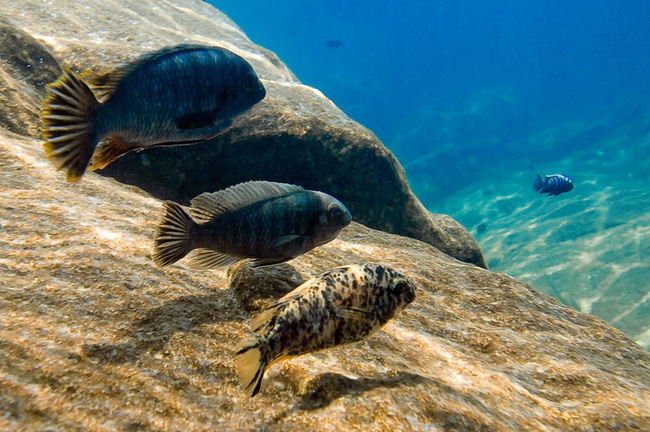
(545, 59)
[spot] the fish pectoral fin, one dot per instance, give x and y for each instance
(108, 151)
(291, 245)
(203, 119)
(262, 262)
(354, 314)
(196, 120)
(211, 259)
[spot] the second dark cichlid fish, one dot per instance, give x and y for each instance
(553, 184)
(270, 222)
(180, 95)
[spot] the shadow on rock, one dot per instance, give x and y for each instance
(152, 332)
(257, 288)
(330, 386)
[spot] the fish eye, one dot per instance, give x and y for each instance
(336, 212)
(249, 83)
(401, 288)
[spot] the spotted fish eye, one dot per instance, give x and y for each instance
(401, 288)
(249, 83)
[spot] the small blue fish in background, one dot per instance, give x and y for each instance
(270, 222)
(333, 43)
(553, 184)
(180, 95)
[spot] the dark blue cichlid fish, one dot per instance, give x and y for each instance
(180, 95)
(553, 184)
(271, 222)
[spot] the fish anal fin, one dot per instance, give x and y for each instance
(210, 259)
(110, 150)
(263, 262)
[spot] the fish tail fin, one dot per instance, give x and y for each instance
(173, 238)
(250, 365)
(67, 123)
(538, 183)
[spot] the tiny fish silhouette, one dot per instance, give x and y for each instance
(553, 184)
(341, 306)
(180, 95)
(270, 222)
(333, 43)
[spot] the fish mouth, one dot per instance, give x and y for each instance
(261, 92)
(347, 218)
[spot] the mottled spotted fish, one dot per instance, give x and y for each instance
(271, 222)
(553, 184)
(340, 306)
(180, 95)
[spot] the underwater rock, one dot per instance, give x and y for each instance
(257, 288)
(26, 67)
(295, 135)
(94, 336)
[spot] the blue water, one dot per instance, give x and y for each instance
(473, 77)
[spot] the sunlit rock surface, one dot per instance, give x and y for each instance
(295, 135)
(94, 337)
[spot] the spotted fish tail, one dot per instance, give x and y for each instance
(250, 365)
(67, 123)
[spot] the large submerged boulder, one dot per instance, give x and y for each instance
(95, 337)
(295, 135)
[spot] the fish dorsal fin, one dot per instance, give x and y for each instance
(103, 85)
(208, 205)
(264, 317)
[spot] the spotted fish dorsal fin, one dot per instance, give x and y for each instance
(263, 318)
(103, 85)
(208, 205)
